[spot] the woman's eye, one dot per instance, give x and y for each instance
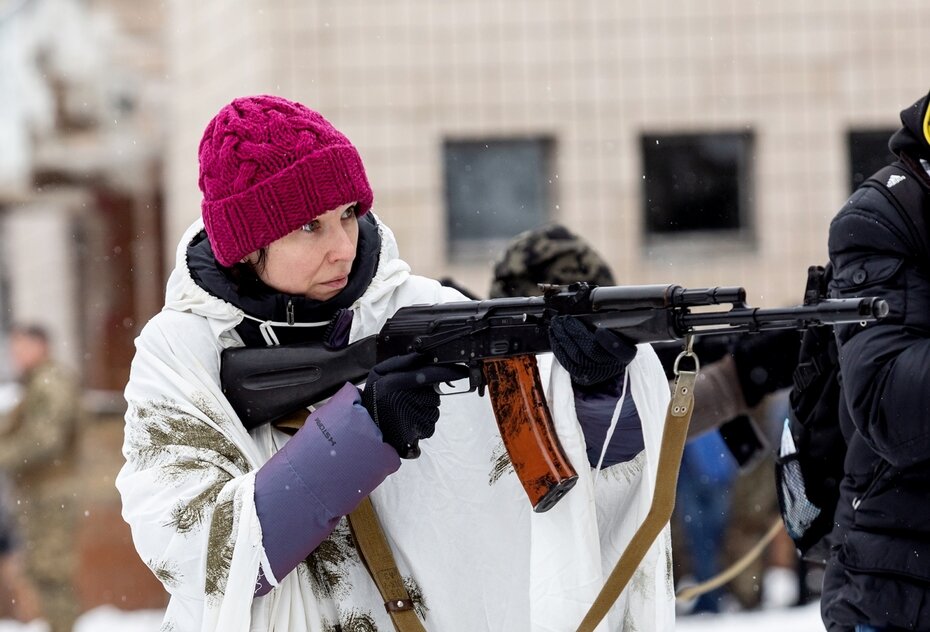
(309, 228)
(350, 212)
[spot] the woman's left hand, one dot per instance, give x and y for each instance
(590, 357)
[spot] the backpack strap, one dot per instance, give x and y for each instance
(906, 194)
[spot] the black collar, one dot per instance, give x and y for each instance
(267, 304)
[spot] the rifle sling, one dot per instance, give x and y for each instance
(378, 559)
(737, 567)
(373, 549)
(292, 422)
(674, 436)
(376, 554)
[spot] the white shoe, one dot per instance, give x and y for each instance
(779, 588)
(685, 607)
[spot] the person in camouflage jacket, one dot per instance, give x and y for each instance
(737, 373)
(742, 369)
(38, 450)
(549, 254)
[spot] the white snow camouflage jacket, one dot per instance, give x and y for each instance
(473, 554)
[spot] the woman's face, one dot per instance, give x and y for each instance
(314, 260)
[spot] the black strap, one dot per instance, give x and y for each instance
(905, 192)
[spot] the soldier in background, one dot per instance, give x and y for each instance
(38, 451)
(551, 254)
(737, 373)
(19, 593)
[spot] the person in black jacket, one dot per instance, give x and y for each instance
(878, 576)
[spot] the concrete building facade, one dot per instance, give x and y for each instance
(595, 80)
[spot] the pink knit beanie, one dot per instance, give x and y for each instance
(269, 166)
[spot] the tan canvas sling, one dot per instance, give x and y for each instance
(376, 553)
(377, 556)
(674, 436)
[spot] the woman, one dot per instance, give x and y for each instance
(246, 529)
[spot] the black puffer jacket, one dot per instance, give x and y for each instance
(879, 571)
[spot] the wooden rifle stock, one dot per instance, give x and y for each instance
(526, 427)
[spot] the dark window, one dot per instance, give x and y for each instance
(868, 152)
(697, 182)
(494, 190)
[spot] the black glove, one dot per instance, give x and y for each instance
(400, 398)
(590, 357)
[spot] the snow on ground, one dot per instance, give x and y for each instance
(805, 619)
(102, 619)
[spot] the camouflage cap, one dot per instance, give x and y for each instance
(550, 254)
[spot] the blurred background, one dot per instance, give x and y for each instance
(699, 143)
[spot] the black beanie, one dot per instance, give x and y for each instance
(913, 139)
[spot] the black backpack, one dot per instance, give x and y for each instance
(808, 478)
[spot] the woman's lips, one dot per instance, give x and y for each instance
(337, 283)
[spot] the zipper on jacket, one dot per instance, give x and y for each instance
(290, 311)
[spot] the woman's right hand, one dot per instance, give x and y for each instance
(402, 401)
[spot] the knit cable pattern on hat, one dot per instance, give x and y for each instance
(269, 165)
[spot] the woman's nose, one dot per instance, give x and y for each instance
(341, 246)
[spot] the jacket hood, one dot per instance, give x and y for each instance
(913, 139)
(294, 318)
(185, 294)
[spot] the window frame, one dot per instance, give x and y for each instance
(468, 251)
(738, 238)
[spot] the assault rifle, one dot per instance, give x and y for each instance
(497, 339)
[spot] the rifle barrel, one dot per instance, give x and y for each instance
(826, 312)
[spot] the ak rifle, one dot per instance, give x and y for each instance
(498, 339)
